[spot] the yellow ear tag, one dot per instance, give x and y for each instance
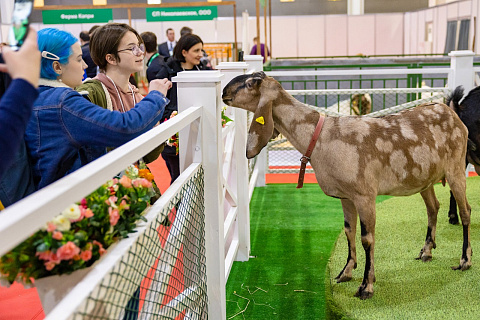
(260, 120)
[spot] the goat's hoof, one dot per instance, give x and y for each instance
(464, 265)
(426, 258)
(343, 278)
(363, 294)
(453, 220)
(423, 256)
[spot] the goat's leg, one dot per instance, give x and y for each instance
(350, 216)
(432, 205)
(452, 212)
(458, 187)
(366, 212)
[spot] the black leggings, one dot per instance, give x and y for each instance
(173, 165)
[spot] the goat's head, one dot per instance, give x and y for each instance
(256, 93)
(361, 104)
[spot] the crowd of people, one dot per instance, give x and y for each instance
(65, 102)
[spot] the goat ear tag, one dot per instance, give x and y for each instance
(260, 120)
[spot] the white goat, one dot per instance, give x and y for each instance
(358, 158)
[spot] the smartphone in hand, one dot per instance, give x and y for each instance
(20, 22)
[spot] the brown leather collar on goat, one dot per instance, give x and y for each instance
(306, 157)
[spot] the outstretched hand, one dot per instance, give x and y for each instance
(24, 63)
(162, 85)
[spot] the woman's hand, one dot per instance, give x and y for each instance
(24, 63)
(162, 85)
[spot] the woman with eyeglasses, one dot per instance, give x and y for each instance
(118, 50)
(64, 125)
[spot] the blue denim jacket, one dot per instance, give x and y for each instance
(63, 123)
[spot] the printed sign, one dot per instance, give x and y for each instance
(181, 14)
(77, 16)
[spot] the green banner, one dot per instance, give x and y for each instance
(77, 16)
(181, 13)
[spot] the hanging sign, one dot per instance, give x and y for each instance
(181, 13)
(77, 16)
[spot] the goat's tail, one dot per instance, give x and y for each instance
(453, 100)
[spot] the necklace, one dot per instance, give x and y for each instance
(118, 93)
(195, 66)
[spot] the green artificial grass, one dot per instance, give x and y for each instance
(293, 232)
(406, 288)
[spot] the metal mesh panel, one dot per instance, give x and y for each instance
(162, 276)
(284, 158)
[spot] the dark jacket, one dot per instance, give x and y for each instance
(63, 122)
(16, 180)
(92, 67)
(153, 66)
(163, 49)
(170, 70)
(15, 110)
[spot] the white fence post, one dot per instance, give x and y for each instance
(230, 71)
(202, 88)
(255, 62)
(462, 75)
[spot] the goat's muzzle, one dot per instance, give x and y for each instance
(227, 100)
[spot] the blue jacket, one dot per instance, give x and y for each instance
(64, 123)
(15, 110)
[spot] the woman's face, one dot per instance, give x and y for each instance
(131, 53)
(72, 72)
(194, 54)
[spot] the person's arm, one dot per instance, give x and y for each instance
(16, 104)
(89, 124)
(15, 110)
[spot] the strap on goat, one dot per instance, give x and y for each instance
(306, 158)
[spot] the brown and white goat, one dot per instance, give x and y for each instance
(357, 158)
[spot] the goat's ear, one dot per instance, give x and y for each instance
(261, 129)
(255, 81)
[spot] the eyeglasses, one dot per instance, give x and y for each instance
(136, 50)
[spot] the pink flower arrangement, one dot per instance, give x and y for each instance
(81, 234)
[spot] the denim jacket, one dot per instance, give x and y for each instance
(63, 123)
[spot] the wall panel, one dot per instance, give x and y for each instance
(389, 33)
(311, 36)
(336, 35)
(361, 35)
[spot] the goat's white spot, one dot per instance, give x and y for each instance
(353, 125)
(421, 117)
(398, 162)
(384, 145)
(383, 123)
(456, 134)
(421, 156)
(439, 135)
(407, 131)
